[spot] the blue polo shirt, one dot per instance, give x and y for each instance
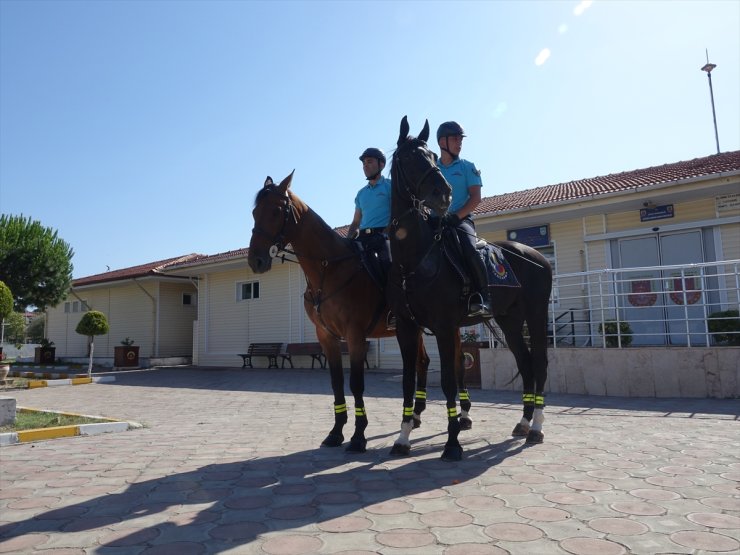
(461, 174)
(374, 201)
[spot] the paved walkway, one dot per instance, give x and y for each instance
(229, 463)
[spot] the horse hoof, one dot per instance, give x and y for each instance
(466, 424)
(535, 437)
(333, 440)
(417, 422)
(357, 446)
(453, 453)
(399, 450)
(520, 430)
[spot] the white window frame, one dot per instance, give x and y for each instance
(253, 284)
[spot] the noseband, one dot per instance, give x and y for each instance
(278, 240)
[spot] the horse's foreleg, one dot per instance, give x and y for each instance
(358, 442)
(408, 336)
(420, 396)
(335, 437)
(448, 349)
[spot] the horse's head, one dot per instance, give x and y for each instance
(273, 213)
(415, 174)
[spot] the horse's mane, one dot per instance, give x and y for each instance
(272, 189)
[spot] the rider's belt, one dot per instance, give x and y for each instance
(369, 230)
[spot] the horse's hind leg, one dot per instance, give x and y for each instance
(358, 442)
(538, 358)
(420, 396)
(512, 328)
(466, 423)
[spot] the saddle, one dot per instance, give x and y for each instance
(377, 267)
(498, 269)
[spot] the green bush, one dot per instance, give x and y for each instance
(609, 329)
(92, 323)
(725, 327)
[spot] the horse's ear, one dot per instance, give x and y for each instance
(268, 181)
(424, 135)
(404, 133)
(285, 183)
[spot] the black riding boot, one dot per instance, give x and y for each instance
(479, 303)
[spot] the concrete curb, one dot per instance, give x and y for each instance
(45, 375)
(26, 436)
(72, 381)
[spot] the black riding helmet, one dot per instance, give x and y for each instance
(373, 153)
(449, 129)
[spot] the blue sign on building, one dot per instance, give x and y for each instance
(657, 213)
(537, 236)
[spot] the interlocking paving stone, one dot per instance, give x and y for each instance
(211, 473)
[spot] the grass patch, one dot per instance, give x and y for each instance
(34, 420)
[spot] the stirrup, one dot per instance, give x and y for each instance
(477, 306)
(390, 322)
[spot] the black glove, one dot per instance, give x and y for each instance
(451, 220)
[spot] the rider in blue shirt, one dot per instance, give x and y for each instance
(466, 183)
(373, 211)
(372, 205)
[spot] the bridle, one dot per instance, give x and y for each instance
(278, 240)
(417, 204)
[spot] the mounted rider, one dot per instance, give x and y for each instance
(466, 183)
(373, 206)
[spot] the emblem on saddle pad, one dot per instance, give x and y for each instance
(498, 268)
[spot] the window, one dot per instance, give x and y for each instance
(188, 299)
(247, 290)
(67, 306)
(76, 306)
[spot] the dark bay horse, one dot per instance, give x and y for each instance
(341, 298)
(425, 291)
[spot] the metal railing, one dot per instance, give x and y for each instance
(655, 305)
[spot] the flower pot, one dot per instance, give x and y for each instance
(44, 355)
(126, 356)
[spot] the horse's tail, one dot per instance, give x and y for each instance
(497, 336)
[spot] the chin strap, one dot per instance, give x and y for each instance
(447, 151)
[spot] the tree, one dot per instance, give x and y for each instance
(34, 262)
(35, 330)
(92, 323)
(6, 309)
(15, 328)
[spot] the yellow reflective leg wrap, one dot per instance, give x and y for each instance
(539, 401)
(452, 412)
(408, 411)
(360, 411)
(421, 394)
(338, 409)
(464, 396)
(528, 398)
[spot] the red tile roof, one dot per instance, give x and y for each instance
(616, 182)
(143, 270)
(631, 180)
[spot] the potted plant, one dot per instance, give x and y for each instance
(92, 323)
(45, 353)
(612, 337)
(725, 327)
(126, 355)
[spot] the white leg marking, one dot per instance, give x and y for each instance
(538, 420)
(403, 437)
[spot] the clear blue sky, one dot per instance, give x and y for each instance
(143, 130)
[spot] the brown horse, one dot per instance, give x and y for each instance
(425, 291)
(341, 298)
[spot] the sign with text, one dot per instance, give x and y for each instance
(537, 236)
(656, 213)
(727, 203)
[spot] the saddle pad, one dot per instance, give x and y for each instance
(498, 268)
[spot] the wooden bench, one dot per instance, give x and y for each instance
(269, 350)
(345, 351)
(312, 350)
